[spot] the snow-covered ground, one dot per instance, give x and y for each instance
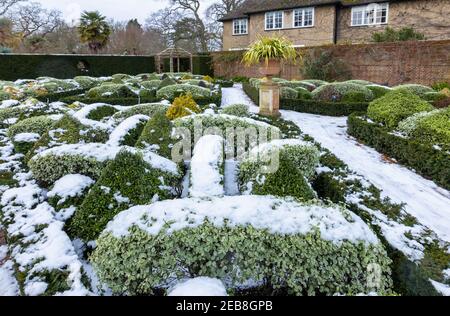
(8, 283)
(423, 198)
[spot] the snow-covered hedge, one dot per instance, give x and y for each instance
(281, 167)
(37, 124)
(342, 92)
(129, 131)
(172, 91)
(288, 93)
(151, 84)
(417, 89)
(240, 110)
(145, 109)
(111, 90)
(298, 84)
(86, 82)
(95, 111)
(428, 127)
(378, 90)
(67, 130)
(315, 82)
(157, 135)
(207, 167)
(87, 159)
(270, 242)
(396, 106)
(132, 178)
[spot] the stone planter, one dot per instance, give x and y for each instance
(270, 69)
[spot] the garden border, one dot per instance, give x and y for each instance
(311, 106)
(427, 161)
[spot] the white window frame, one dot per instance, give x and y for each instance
(365, 9)
(274, 28)
(303, 10)
(240, 21)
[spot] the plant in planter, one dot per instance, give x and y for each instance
(269, 52)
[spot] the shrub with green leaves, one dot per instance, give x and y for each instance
(288, 93)
(146, 248)
(298, 84)
(167, 81)
(240, 110)
(67, 130)
(434, 96)
(303, 94)
(360, 82)
(148, 109)
(417, 89)
(429, 127)
(342, 92)
(396, 106)
(100, 112)
(111, 90)
(157, 135)
(37, 124)
(439, 86)
(130, 179)
(378, 90)
(128, 132)
(151, 84)
(171, 92)
(281, 167)
(86, 82)
(315, 82)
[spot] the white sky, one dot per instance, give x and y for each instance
(121, 10)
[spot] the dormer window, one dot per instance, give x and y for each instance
(240, 27)
(274, 20)
(372, 14)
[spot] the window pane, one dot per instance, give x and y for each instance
(298, 18)
(308, 21)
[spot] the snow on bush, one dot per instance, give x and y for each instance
(201, 286)
(298, 84)
(396, 106)
(157, 135)
(128, 180)
(288, 93)
(86, 82)
(143, 109)
(128, 132)
(207, 167)
(416, 89)
(67, 193)
(280, 167)
(95, 112)
(428, 127)
(37, 124)
(151, 84)
(111, 90)
(270, 242)
(172, 91)
(378, 90)
(342, 92)
(240, 110)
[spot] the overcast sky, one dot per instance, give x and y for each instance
(121, 10)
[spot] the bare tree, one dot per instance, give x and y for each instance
(6, 5)
(31, 19)
(222, 8)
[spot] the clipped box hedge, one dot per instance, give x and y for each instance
(311, 106)
(57, 96)
(426, 160)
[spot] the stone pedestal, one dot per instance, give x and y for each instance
(269, 98)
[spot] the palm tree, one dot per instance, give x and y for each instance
(94, 30)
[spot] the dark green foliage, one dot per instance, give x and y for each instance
(168, 81)
(422, 157)
(303, 94)
(202, 64)
(323, 65)
(101, 112)
(57, 96)
(112, 101)
(392, 35)
(13, 67)
(127, 176)
(377, 90)
(157, 134)
(251, 92)
(439, 86)
(133, 135)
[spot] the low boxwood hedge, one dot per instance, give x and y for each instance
(311, 106)
(58, 96)
(426, 160)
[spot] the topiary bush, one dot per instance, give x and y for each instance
(37, 124)
(298, 84)
(416, 89)
(183, 105)
(157, 135)
(281, 167)
(342, 92)
(360, 82)
(315, 82)
(378, 90)
(172, 91)
(128, 132)
(100, 112)
(151, 84)
(428, 127)
(240, 110)
(130, 179)
(304, 94)
(288, 93)
(396, 106)
(147, 109)
(86, 82)
(146, 248)
(110, 90)
(167, 81)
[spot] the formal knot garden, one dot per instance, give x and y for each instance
(166, 184)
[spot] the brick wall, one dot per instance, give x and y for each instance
(422, 62)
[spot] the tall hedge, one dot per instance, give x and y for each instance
(13, 67)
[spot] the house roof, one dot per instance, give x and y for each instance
(257, 6)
